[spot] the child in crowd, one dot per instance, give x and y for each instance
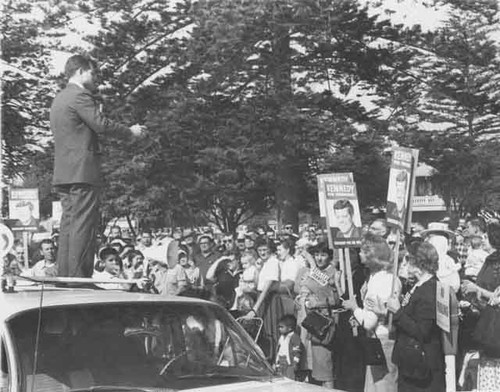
(249, 275)
(290, 348)
(194, 277)
(133, 267)
(169, 280)
(475, 259)
(110, 267)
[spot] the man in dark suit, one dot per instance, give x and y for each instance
(76, 121)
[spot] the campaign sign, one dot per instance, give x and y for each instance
(330, 177)
(443, 306)
(343, 215)
(24, 212)
(400, 191)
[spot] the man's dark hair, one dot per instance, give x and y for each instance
(342, 204)
(77, 62)
(46, 241)
(106, 252)
(402, 176)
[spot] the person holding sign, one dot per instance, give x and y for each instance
(418, 350)
(377, 256)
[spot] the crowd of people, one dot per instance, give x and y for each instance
(288, 280)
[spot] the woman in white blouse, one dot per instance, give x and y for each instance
(376, 255)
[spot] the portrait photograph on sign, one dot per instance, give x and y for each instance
(23, 209)
(397, 196)
(343, 214)
(400, 188)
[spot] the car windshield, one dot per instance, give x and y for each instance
(135, 345)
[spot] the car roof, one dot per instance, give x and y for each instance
(28, 298)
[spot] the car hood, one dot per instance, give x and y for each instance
(276, 385)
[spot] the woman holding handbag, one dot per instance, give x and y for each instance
(318, 287)
(418, 350)
(381, 373)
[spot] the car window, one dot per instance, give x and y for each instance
(140, 345)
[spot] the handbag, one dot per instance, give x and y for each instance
(317, 324)
(412, 360)
(373, 354)
(487, 331)
(321, 327)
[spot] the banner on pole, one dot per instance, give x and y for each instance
(24, 212)
(401, 187)
(332, 178)
(344, 217)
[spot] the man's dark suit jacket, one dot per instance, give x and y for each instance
(76, 121)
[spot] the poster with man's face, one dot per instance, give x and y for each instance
(24, 209)
(399, 193)
(343, 215)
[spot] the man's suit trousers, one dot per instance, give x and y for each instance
(79, 223)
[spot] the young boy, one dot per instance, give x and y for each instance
(290, 348)
(109, 267)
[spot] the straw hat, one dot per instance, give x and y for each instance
(438, 228)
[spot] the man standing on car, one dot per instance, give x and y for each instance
(76, 121)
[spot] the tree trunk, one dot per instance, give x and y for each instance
(288, 195)
(288, 178)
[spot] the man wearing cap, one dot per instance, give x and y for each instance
(206, 255)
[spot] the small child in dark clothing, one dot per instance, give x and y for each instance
(290, 348)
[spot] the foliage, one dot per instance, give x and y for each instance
(26, 90)
(245, 102)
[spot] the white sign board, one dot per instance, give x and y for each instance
(24, 209)
(443, 306)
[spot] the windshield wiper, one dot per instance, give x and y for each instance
(226, 375)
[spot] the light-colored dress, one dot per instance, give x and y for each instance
(377, 290)
(314, 289)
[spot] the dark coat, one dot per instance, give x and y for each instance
(76, 121)
(417, 320)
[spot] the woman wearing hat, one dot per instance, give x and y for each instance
(439, 236)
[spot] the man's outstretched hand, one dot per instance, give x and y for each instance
(137, 130)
